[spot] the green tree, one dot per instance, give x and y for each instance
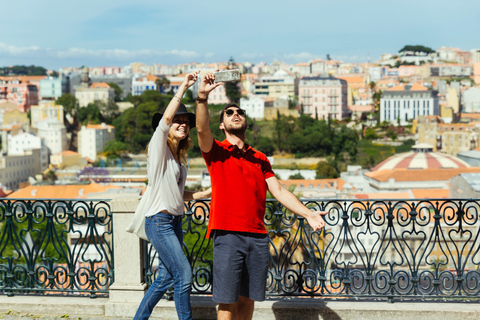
(70, 107)
(297, 175)
(417, 48)
(90, 115)
(232, 89)
(118, 91)
(265, 145)
(370, 134)
(326, 170)
(114, 148)
(162, 84)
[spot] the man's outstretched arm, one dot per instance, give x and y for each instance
(205, 137)
(291, 202)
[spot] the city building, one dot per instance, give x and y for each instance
(55, 134)
(448, 54)
(122, 80)
(20, 91)
(471, 100)
(401, 104)
(66, 158)
(93, 138)
(21, 143)
(45, 109)
(144, 83)
(280, 106)
(98, 91)
(52, 88)
(323, 97)
(280, 84)
(16, 169)
(254, 106)
(450, 70)
(11, 115)
(449, 138)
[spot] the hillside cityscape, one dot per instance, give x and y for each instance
(404, 127)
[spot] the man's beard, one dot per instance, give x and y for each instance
(236, 131)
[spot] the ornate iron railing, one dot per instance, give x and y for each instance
(56, 246)
(369, 249)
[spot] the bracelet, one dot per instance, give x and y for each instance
(179, 100)
(202, 100)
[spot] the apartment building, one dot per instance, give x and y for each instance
(254, 106)
(52, 88)
(280, 84)
(471, 100)
(144, 83)
(449, 138)
(451, 70)
(22, 143)
(324, 97)
(403, 103)
(10, 115)
(45, 109)
(17, 169)
(99, 91)
(93, 138)
(19, 91)
(55, 134)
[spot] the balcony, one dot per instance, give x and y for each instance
(370, 253)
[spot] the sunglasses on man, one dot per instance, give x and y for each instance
(230, 112)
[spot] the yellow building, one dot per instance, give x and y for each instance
(449, 138)
(46, 109)
(66, 159)
(10, 115)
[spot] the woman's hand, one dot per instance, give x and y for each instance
(190, 79)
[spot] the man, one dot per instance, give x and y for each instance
(240, 178)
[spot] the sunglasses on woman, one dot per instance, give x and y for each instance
(230, 112)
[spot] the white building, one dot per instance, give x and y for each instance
(93, 138)
(54, 133)
(17, 169)
(20, 144)
(97, 91)
(471, 100)
(254, 106)
(45, 109)
(451, 70)
(406, 102)
(143, 83)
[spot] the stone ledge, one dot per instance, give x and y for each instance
(272, 309)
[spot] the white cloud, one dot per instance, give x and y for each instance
(118, 54)
(300, 57)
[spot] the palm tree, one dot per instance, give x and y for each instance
(162, 84)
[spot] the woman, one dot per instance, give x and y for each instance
(166, 161)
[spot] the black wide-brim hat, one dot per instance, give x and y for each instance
(181, 110)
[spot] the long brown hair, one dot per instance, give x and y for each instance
(183, 147)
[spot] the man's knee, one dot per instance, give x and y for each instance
(226, 307)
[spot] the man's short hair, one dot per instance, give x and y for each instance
(229, 105)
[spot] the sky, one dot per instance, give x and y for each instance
(59, 33)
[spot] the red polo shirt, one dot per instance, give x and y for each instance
(239, 189)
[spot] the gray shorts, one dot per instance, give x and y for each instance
(240, 266)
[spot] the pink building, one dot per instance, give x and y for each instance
(323, 97)
(218, 96)
(24, 94)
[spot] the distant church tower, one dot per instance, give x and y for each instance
(85, 79)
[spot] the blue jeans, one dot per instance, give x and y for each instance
(166, 235)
